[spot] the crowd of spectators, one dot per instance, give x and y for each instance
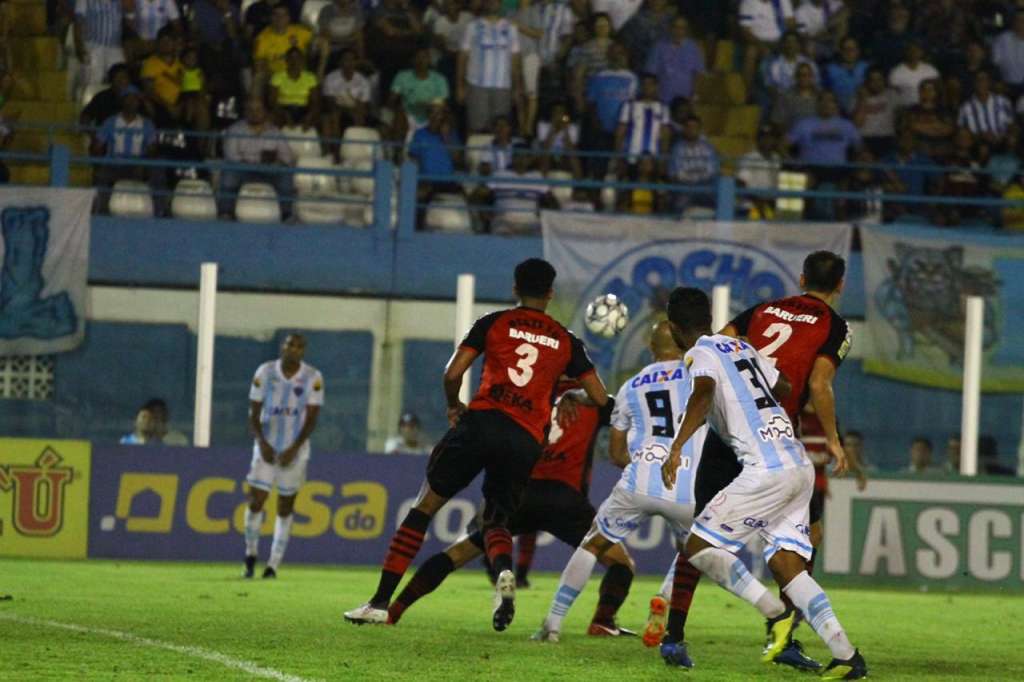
(596, 88)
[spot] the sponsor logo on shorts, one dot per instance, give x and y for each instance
(725, 527)
(627, 524)
(777, 428)
(805, 530)
(751, 522)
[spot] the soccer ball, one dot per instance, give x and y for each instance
(606, 316)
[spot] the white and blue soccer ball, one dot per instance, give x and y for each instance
(606, 316)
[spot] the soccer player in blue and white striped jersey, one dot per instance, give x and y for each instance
(644, 421)
(986, 114)
(643, 123)
(284, 404)
(736, 392)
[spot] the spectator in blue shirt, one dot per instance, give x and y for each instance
(694, 163)
(607, 91)
(823, 141)
(905, 175)
(430, 149)
(677, 62)
(844, 77)
(127, 135)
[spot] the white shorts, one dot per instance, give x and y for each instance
(288, 479)
(624, 511)
(774, 505)
(531, 74)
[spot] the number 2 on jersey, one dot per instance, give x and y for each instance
(782, 332)
(527, 356)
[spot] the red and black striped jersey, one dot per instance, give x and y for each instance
(525, 352)
(569, 454)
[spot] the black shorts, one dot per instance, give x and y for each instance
(717, 469)
(551, 506)
(491, 442)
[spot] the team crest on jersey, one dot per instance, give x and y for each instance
(299, 390)
(318, 385)
(256, 382)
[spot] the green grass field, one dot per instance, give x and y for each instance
(108, 620)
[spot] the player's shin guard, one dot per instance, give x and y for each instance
(614, 589)
(253, 521)
(729, 572)
(498, 547)
(282, 531)
(405, 544)
(574, 577)
(427, 579)
(684, 583)
(524, 559)
(812, 601)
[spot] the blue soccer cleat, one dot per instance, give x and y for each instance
(793, 656)
(674, 654)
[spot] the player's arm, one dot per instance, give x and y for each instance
(594, 389)
(618, 452)
(460, 362)
(824, 402)
(697, 409)
(782, 388)
(739, 326)
(266, 452)
(312, 414)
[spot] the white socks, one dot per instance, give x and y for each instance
(666, 584)
(808, 596)
(253, 521)
(729, 572)
(574, 578)
(282, 531)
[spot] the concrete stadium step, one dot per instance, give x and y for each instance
(35, 53)
(39, 141)
(722, 89)
(27, 18)
(742, 121)
(713, 118)
(38, 111)
(725, 56)
(50, 86)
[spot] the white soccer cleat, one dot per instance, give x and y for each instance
(545, 635)
(367, 615)
(504, 600)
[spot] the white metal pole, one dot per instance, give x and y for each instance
(972, 386)
(204, 354)
(465, 293)
(719, 307)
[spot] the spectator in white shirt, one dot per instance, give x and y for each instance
(986, 114)
(823, 23)
(1008, 52)
(910, 73)
(489, 73)
(643, 124)
(516, 194)
(346, 96)
(409, 440)
(619, 11)
(759, 169)
(778, 72)
(762, 23)
(149, 17)
(254, 141)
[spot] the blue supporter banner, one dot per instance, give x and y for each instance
(188, 504)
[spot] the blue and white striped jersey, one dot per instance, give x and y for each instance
(102, 21)
(644, 120)
(993, 116)
(285, 400)
(491, 46)
(649, 408)
(745, 413)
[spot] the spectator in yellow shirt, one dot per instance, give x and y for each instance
(1013, 216)
(295, 92)
(273, 42)
(161, 76)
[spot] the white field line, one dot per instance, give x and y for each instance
(190, 651)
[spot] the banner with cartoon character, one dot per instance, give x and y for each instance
(916, 280)
(641, 259)
(44, 266)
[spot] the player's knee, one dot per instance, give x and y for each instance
(430, 502)
(257, 498)
(598, 545)
(285, 506)
(694, 544)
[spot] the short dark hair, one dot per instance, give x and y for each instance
(534, 277)
(823, 271)
(924, 440)
(689, 309)
(116, 69)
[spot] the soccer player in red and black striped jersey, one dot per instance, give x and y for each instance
(500, 433)
(556, 502)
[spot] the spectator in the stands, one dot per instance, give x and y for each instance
(1008, 53)
(643, 200)
(988, 458)
(677, 61)
(591, 58)
(559, 18)
(159, 411)
(759, 169)
(557, 140)
(107, 102)
(410, 439)
(920, 455)
(517, 194)
(217, 27)
(529, 20)
(127, 135)
(975, 60)
(147, 430)
(149, 18)
(392, 37)
(965, 179)
(907, 77)
(845, 76)
(619, 11)
(97, 38)
(340, 27)
(253, 141)
(694, 164)
(778, 71)
(906, 175)
(489, 74)
(194, 99)
(875, 113)
(607, 92)
(295, 93)
(643, 123)
(762, 24)
(446, 20)
(273, 43)
(932, 123)
(415, 90)
(161, 78)
(865, 180)
(853, 443)
(801, 102)
(1013, 214)
(1005, 162)
(679, 110)
(822, 23)
(888, 46)
(824, 141)
(256, 18)
(986, 114)
(645, 29)
(499, 156)
(346, 96)
(431, 149)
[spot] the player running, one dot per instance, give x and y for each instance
(556, 502)
(737, 391)
(806, 340)
(284, 403)
(644, 421)
(500, 433)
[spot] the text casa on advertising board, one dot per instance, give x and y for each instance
(44, 497)
(942, 532)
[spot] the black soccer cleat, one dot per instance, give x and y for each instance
(268, 572)
(504, 601)
(250, 567)
(853, 668)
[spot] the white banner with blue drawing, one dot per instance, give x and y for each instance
(44, 252)
(641, 259)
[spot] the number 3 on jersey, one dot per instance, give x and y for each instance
(527, 357)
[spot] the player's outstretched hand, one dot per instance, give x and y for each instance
(288, 456)
(454, 413)
(266, 452)
(669, 468)
(840, 465)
